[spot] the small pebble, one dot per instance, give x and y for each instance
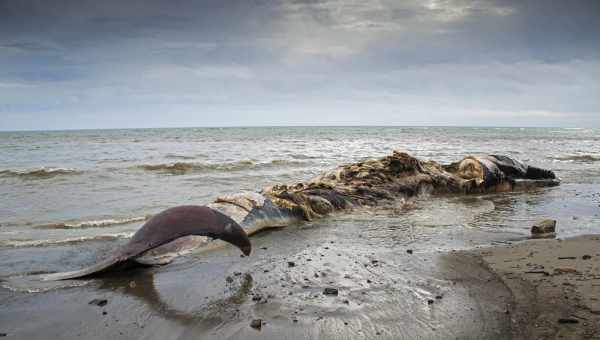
(256, 324)
(98, 302)
(330, 291)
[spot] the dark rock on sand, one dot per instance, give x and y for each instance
(98, 302)
(586, 257)
(330, 291)
(568, 320)
(409, 251)
(544, 229)
(291, 264)
(256, 324)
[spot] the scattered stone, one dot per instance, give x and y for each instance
(544, 229)
(291, 264)
(438, 297)
(568, 320)
(409, 251)
(263, 248)
(565, 270)
(538, 272)
(3, 335)
(229, 279)
(104, 312)
(98, 302)
(256, 324)
(430, 302)
(586, 257)
(330, 291)
(237, 273)
(567, 257)
(257, 297)
(346, 302)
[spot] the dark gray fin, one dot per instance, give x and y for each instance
(539, 173)
(163, 228)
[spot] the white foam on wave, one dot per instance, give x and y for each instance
(69, 240)
(91, 223)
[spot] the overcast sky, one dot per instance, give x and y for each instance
(106, 64)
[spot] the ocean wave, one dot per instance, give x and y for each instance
(302, 156)
(91, 223)
(40, 173)
(179, 168)
(577, 158)
(65, 241)
(176, 156)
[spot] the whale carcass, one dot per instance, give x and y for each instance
(365, 183)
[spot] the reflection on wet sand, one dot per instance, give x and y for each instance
(141, 285)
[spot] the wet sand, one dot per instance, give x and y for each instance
(555, 286)
(393, 281)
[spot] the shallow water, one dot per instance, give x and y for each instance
(71, 197)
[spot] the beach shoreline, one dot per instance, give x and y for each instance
(554, 283)
(498, 288)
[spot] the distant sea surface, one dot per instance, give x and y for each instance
(71, 187)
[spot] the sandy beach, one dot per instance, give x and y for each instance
(530, 289)
(555, 286)
(436, 267)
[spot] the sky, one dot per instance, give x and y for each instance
(119, 64)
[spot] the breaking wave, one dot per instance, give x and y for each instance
(577, 158)
(65, 241)
(179, 168)
(91, 223)
(177, 156)
(40, 173)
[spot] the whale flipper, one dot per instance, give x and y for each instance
(163, 228)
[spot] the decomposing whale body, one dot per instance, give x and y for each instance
(398, 176)
(164, 228)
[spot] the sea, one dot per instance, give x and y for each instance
(66, 193)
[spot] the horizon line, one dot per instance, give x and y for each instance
(298, 126)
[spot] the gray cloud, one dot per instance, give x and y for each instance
(72, 64)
